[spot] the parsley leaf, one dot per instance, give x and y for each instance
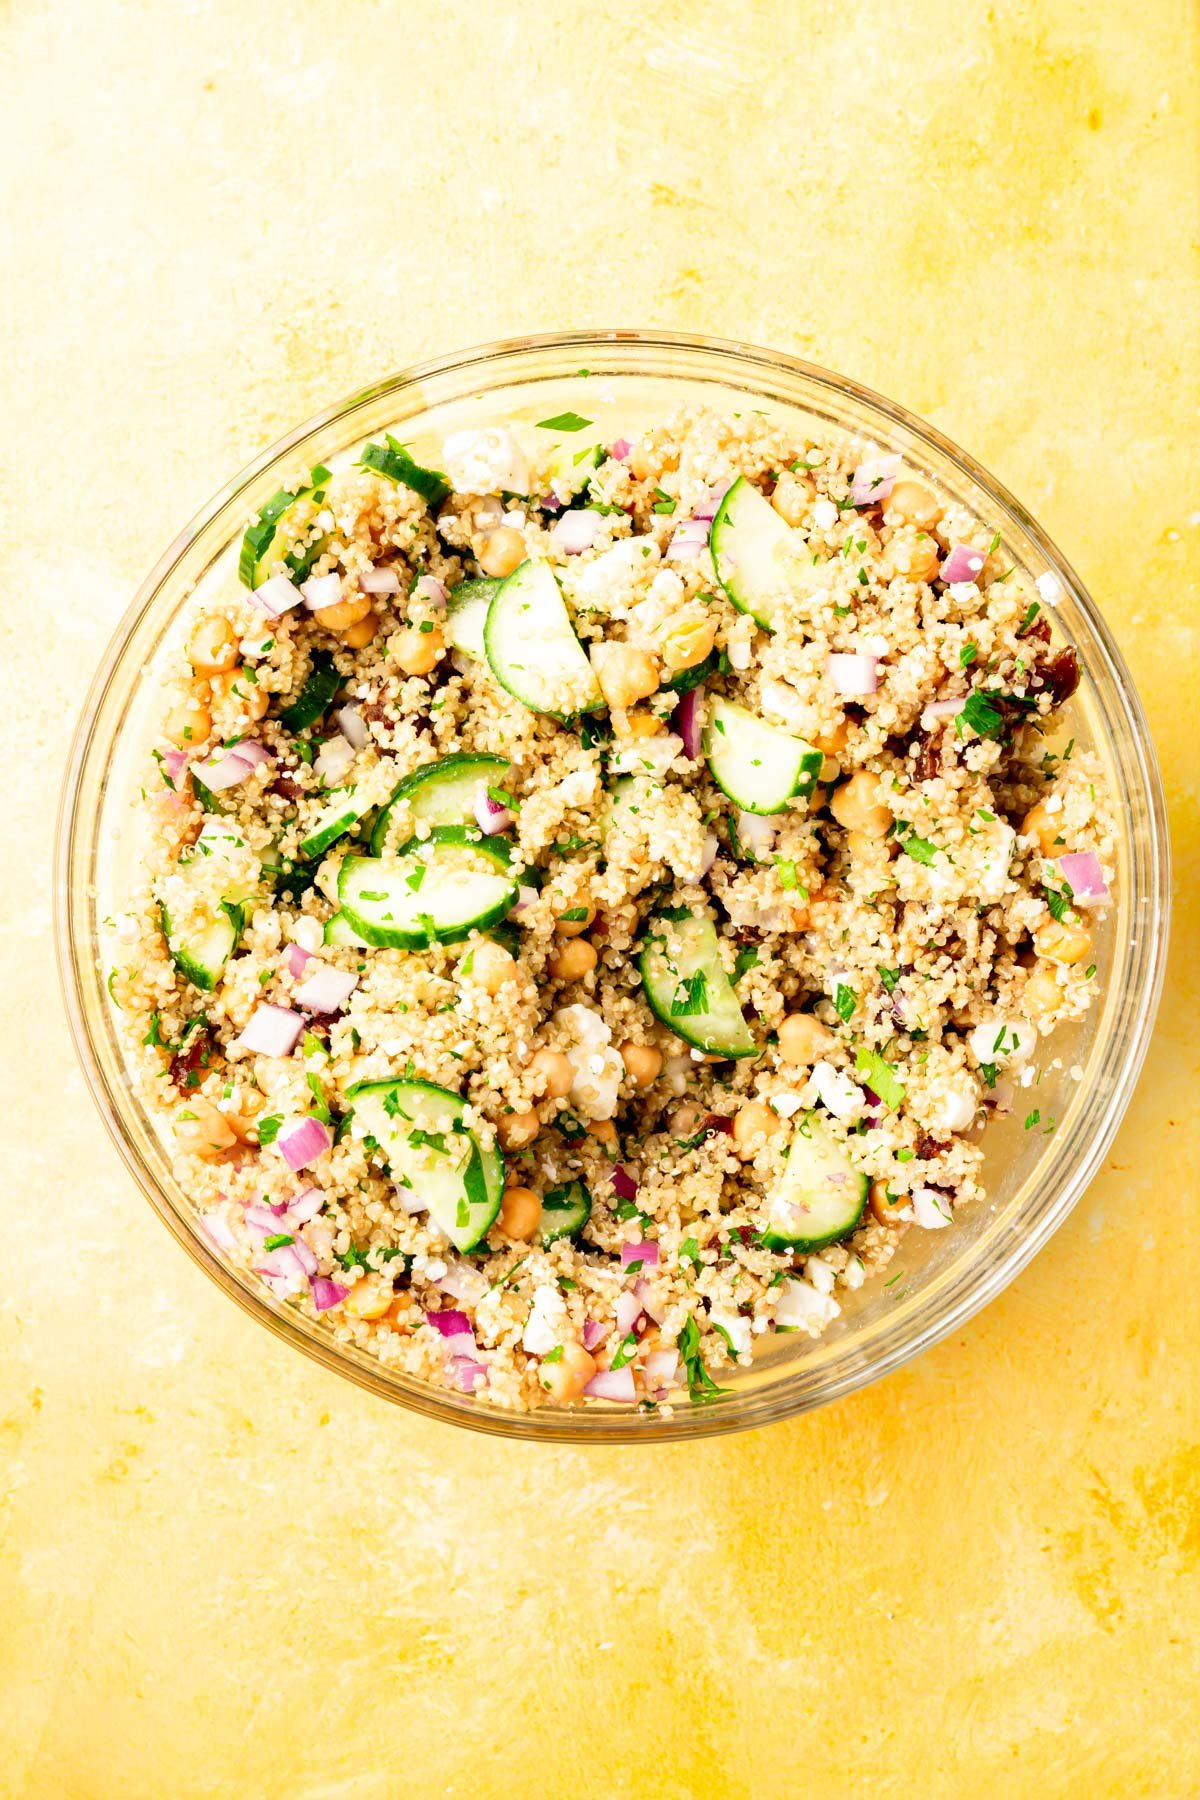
(567, 421)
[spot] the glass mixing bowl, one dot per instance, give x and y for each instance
(623, 380)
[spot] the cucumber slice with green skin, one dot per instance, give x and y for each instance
(466, 615)
(393, 461)
(420, 1133)
(686, 679)
(315, 697)
(820, 1196)
(438, 890)
(565, 1212)
(686, 986)
(753, 552)
(532, 649)
(442, 793)
(345, 809)
(264, 541)
(757, 765)
(201, 958)
(341, 934)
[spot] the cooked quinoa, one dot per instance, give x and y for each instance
(593, 896)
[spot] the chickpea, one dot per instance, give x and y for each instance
(803, 1039)
(858, 805)
(625, 673)
(883, 1210)
(829, 771)
(791, 498)
(639, 463)
(688, 640)
(343, 613)
(516, 1129)
(200, 1130)
(520, 1211)
(489, 965)
(833, 740)
(687, 1119)
(643, 1064)
(358, 635)
(604, 1132)
(1043, 992)
(568, 928)
(642, 724)
(555, 1073)
(566, 1378)
(370, 1299)
(502, 551)
(753, 1124)
(417, 649)
(916, 557)
(573, 961)
(189, 721)
(213, 648)
(911, 503)
(1063, 941)
(236, 684)
(1042, 826)
(402, 1314)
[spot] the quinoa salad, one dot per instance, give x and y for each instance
(593, 894)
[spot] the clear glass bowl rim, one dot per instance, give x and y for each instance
(1067, 1169)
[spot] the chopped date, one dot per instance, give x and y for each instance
(929, 1147)
(190, 1065)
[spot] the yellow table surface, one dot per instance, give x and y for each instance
(226, 1572)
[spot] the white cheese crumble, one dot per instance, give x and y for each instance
(485, 462)
(931, 1209)
(837, 1092)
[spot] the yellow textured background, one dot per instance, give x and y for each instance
(223, 1571)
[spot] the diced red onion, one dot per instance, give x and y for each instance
(661, 1367)
(628, 1310)
(271, 1031)
(852, 672)
(1082, 872)
(490, 816)
(277, 596)
(624, 1182)
(326, 990)
(383, 580)
(962, 564)
(304, 1256)
(218, 1229)
(450, 1323)
(463, 1282)
(469, 1374)
(874, 480)
(612, 1384)
(709, 508)
(690, 540)
(756, 833)
(526, 896)
(649, 1304)
(621, 449)
(429, 589)
(1000, 1098)
(306, 1204)
(265, 1220)
(410, 1201)
(333, 761)
(575, 531)
(294, 959)
(551, 504)
(353, 727)
(593, 1331)
(943, 709)
(227, 768)
(327, 1293)
(321, 591)
(303, 1142)
(644, 1252)
(712, 846)
(686, 720)
(173, 763)
(282, 1262)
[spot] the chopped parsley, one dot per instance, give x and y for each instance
(701, 1385)
(983, 718)
(844, 1002)
(268, 1128)
(881, 1077)
(567, 421)
(747, 958)
(691, 996)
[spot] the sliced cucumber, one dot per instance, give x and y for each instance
(437, 890)
(346, 807)
(685, 679)
(201, 957)
(340, 932)
(442, 792)
(313, 701)
(686, 985)
(759, 766)
(820, 1195)
(532, 649)
(466, 614)
(393, 461)
(753, 552)
(565, 1211)
(266, 541)
(420, 1134)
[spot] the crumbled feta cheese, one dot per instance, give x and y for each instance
(825, 514)
(838, 1093)
(853, 1275)
(485, 462)
(931, 1210)
(738, 652)
(1050, 588)
(786, 1104)
(820, 1274)
(648, 756)
(602, 585)
(1006, 1041)
(738, 1330)
(546, 1324)
(955, 1107)
(781, 704)
(801, 1308)
(598, 1070)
